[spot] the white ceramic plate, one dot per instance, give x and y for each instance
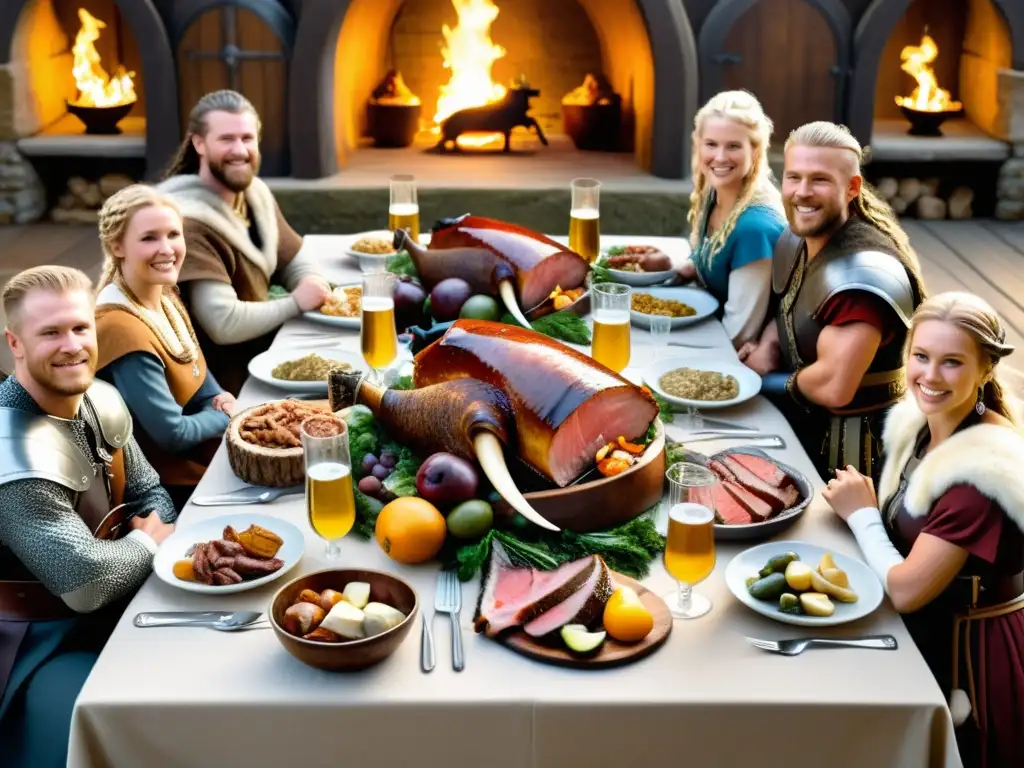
(262, 366)
(641, 279)
(370, 262)
(703, 302)
(749, 381)
(862, 581)
(316, 316)
(178, 543)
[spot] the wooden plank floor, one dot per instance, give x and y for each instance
(983, 256)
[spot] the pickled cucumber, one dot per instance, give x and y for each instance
(770, 587)
(778, 563)
(790, 603)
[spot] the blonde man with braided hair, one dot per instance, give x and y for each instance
(845, 283)
(147, 345)
(945, 532)
(238, 242)
(736, 213)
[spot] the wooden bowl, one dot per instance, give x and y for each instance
(350, 655)
(604, 502)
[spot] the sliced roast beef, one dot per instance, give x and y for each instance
(514, 596)
(728, 508)
(778, 498)
(758, 510)
(584, 606)
(763, 468)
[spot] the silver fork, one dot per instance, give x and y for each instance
(793, 647)
(449, 600)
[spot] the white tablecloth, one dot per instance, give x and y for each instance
(195, 697)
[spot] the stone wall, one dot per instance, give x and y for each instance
(1010, 206)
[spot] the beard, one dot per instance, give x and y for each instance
(236, 177)
(50, 378)
(830, 218)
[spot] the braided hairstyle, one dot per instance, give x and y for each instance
(975, 317)
(868, 204)
(759, 186)
(114, 217)
(186, 160)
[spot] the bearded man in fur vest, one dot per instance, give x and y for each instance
(237, 242)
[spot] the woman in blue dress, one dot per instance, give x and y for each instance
(736, 212)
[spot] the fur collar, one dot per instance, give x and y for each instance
(986, 456)
(202, 204)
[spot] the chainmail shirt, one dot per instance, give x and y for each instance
(40, 527)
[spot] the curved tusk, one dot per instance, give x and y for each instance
(492, 460)
(508, 295)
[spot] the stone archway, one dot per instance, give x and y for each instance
(870, 38)
(312, 120)
(158, 71)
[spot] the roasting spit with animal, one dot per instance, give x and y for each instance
(499, 117)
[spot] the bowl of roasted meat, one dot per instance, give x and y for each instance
(638, 265)
(343, 619)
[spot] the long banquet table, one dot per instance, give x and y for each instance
(196, 697)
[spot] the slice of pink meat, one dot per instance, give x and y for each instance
(583, 606)
(512, 597)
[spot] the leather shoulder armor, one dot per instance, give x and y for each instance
(112, 412)
(876, 272)
(33, 447)
(784, 258)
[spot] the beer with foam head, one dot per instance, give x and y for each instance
(405, 216)
(690, 545)
(610, 345)
(330, 502)
(377, 335)
(585, 233)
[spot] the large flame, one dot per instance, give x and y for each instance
(469, 54)
(927, 96)
(95, 86)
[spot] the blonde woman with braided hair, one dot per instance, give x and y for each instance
(845, 283)
(736, 213)
(945, 533)
(147, 345)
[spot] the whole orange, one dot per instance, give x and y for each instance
(410, 529)
(626, 618)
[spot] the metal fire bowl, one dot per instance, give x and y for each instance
(925, 123)
(100, 120)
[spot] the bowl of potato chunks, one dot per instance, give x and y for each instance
(795, 582)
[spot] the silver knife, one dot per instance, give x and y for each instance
(760, 440)
(250, 495)
(691, 346)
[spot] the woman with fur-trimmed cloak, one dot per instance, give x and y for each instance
(947, 539)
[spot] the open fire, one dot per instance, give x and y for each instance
(469, 53)
(95, 87)
(927, 96)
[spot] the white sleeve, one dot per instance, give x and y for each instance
(869, 530)
(303, 265)
(750, 289)
(226, 320)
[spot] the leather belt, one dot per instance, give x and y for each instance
(31, 601)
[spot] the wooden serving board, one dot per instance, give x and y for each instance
(612, 653)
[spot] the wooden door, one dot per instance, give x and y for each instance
(792, 54)
(233, 47)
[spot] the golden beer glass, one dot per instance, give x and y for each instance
(330, 501)
(404, 208)
(377, 335)
(585, 219)
(610, 345)
(690, 543)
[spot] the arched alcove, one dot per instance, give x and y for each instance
(647, 49)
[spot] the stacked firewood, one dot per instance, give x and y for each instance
(82, 201)
(921, 198)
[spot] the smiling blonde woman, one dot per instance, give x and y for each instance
(147, 346)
